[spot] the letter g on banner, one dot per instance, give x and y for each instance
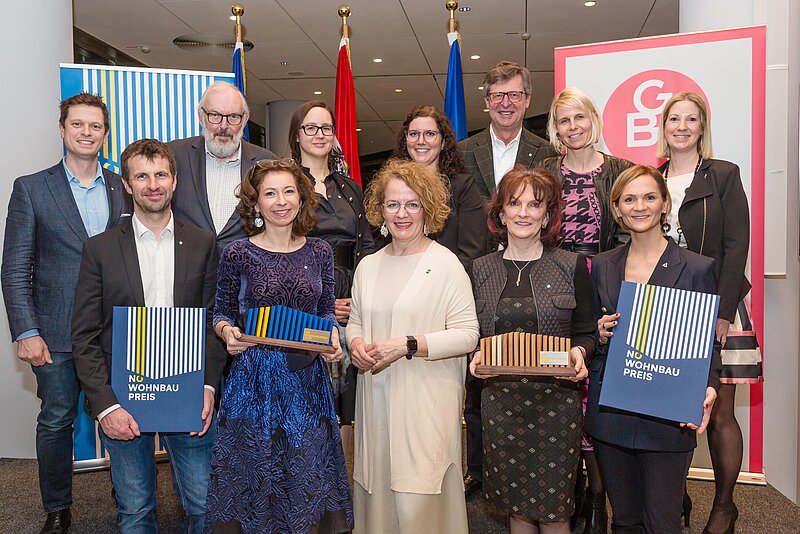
(632, 114)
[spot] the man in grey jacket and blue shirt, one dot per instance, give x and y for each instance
(50, 214)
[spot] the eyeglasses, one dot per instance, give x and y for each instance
(312, 129)
(213, 117)
(429, 135)
(412, 207)
(495, 97)
(280, 164)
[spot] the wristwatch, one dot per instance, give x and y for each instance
(411, 346)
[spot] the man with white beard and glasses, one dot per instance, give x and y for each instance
(211, 166)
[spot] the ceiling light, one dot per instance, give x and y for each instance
(358, 129)
(398, 90)
(285, 63)
(464, 9)
(590, 3)
(486, 110)
(232, 17)
(475, 56)
(377, 60)
(317, 92)
(480, 88)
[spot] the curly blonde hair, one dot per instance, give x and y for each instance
(431, 187)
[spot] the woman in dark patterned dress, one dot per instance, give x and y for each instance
(277, 464)
(342, 223)
(586, 176)
(532, 425)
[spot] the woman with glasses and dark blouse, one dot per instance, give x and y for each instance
(427, 137)
(341, 222)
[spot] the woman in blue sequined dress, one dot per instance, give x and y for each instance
(277, 464)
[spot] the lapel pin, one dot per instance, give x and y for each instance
(427, 271)
(664, 265)
(530, 155)
(180, 242)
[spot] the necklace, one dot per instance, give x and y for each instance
(520, 269)
(697, 168)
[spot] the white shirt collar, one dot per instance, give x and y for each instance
(496, 140)
(140, 229)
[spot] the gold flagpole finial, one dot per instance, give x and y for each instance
(451, 6)
(344, 12)
(238, 11)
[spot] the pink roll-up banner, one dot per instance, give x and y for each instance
(630, 81)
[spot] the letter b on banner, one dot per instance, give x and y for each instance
(631, 117)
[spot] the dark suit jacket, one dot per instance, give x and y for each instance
(477, 154)
(110, 276)
(715, 221)
(684, 270)
(42, 252)
(190, 202)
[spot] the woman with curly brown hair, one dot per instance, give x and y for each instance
(277, 464)
(412, 322)
(427, 137)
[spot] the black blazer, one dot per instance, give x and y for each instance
(677, 268)
(110, 276)
(715, 220)
(190, 202)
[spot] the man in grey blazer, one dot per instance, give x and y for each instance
(488, 155)
(50, 214)
(211, 166)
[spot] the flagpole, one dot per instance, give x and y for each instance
(451, 6)
(238, 10)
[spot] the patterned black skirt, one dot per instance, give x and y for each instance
(531, 446)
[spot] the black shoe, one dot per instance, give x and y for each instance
(57, 522)
(471, 485)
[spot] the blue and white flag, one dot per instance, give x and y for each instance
(142, 103)
(454, 106)
(660, 354)
(157, 362)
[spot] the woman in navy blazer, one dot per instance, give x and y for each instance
(643, 460)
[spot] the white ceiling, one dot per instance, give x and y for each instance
(409, 35)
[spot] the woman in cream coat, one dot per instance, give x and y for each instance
(412, 320)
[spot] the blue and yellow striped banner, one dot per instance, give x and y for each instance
(165, 342)
(153, 103)
(670, 324)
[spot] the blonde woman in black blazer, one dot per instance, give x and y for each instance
(712, 220)
(643, 460)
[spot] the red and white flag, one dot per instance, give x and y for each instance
(345, 113)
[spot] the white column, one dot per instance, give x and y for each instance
(782, 213)
(37, 37)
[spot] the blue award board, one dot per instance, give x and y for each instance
(157, 366)
(660, 353)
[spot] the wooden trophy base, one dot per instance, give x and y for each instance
(296, 345)
(521, 370)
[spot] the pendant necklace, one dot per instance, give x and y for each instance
(519, 270)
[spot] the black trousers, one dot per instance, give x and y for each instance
(645, 488)
(472, 416)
